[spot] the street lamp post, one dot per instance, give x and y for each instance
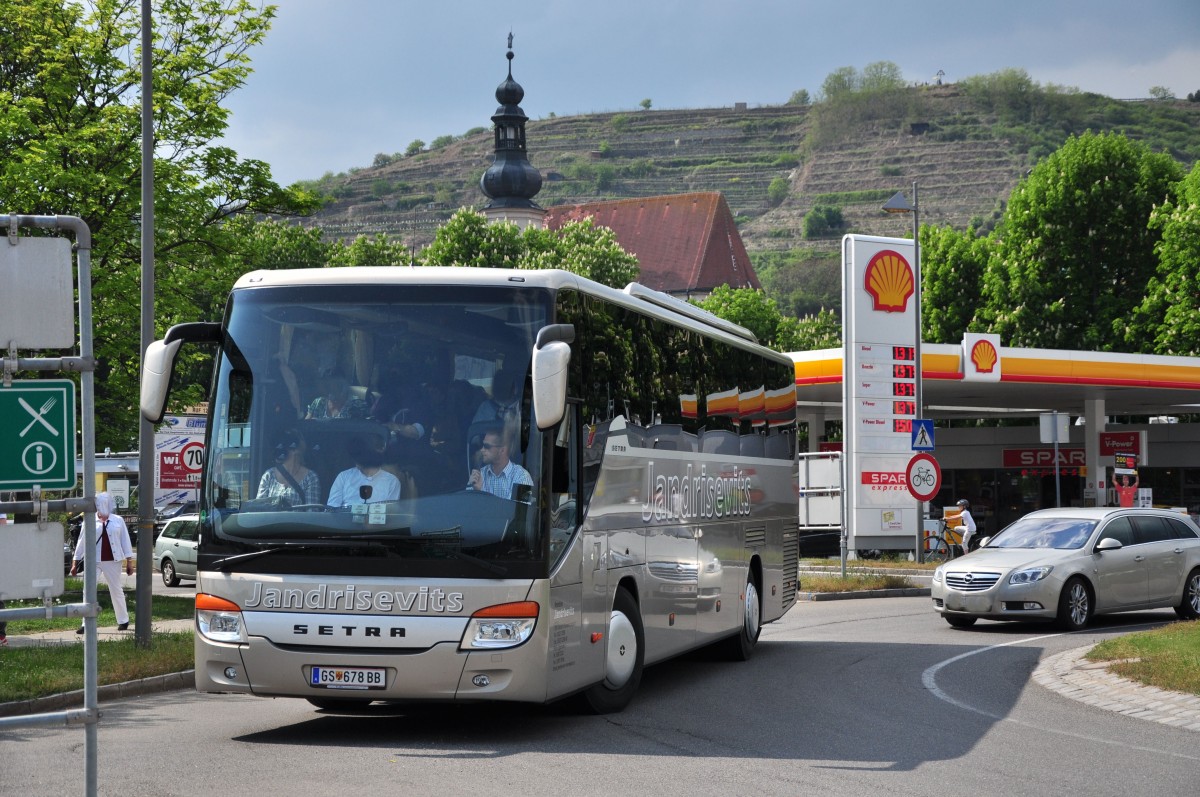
(899, 204)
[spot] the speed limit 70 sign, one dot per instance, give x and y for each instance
(180, 470)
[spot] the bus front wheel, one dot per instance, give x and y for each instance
(623, 658)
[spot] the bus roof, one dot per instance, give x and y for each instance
(636, 297)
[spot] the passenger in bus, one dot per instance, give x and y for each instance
(335, 401)
(497, 474)
(290, 480)
(367, 482)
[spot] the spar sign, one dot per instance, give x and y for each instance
(178, 458)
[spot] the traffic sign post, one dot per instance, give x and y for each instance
(922, 434)
(37, 443)
(924, 476)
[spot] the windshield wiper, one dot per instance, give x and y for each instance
(224, 562)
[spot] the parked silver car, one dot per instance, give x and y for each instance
(1068, 565)
(175, 549)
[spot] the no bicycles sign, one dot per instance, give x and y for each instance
(924, 476)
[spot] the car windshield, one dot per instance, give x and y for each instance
(1064, 533)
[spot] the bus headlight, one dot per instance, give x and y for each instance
(218, 619)
(505, 625)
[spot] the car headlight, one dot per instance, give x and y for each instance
(1030, 574)
(937, 574)
(219, 620)
(504, 626)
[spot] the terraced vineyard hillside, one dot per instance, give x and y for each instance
(966, 159)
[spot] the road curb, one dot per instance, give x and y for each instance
(65, 700)
(904, 592)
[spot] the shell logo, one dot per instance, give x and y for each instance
(890, 281)
(984, 356)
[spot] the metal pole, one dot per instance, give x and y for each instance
(919, 392)
(1057, 487)
(145, 543)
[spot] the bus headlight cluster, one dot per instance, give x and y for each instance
(502, 626)
(219, 620)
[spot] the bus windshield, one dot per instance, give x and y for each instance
(383, 429)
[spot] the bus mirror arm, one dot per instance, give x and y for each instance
(158, 364)
(551, 355)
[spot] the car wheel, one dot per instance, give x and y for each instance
(960, 622)
(1074, 605)
(1189, 607)
(740, 646)
(169, 576)
(623, 658)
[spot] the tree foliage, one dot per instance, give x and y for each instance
(1168, 319)
(1075, 251)
(70, 143)
(468, 239)
(952, 266)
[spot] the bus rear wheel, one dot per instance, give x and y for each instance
(739, 647)
(623, 658)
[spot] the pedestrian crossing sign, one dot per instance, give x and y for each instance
(922, 435)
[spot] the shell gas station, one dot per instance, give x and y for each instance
(1011, 430)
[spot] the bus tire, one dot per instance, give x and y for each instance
(623, 658)
(741, 645)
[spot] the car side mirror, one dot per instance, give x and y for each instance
(983, 543)
(1109, 544)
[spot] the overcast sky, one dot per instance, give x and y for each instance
(338, 81)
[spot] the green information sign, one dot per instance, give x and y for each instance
(37, 434)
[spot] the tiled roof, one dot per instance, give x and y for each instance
(685, 243)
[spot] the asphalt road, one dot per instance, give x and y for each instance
(842, 698)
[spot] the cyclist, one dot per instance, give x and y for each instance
(966, 524)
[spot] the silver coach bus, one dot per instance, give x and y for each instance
(640, 499)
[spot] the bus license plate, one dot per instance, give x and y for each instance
(347, 677)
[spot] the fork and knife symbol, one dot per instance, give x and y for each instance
(38, 415)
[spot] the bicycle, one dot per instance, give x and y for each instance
(943, 544)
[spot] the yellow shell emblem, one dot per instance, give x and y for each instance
(889, 280)
(983, 354)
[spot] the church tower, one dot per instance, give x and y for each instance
(511, 182)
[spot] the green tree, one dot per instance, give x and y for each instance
(441, 142)
(1075, 252)
(468, 239)
(70, 143)
(841, 81)
(645, 104)
(747, 307)
(1161, 93)
(778, 190)
(799, 97)
(952, 266)
(823, 220)
(414, 148)
(1168, 319)
(823, 330)
(881, 76)
(370, 250)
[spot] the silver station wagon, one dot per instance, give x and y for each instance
(1068, 565)
(175, 549)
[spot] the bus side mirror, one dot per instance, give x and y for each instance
(551, 356)
(159, 364)
(157, 367)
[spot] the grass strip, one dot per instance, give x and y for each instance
(1167, 657)
(40, 670)
(853, 582)
(163, 607)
